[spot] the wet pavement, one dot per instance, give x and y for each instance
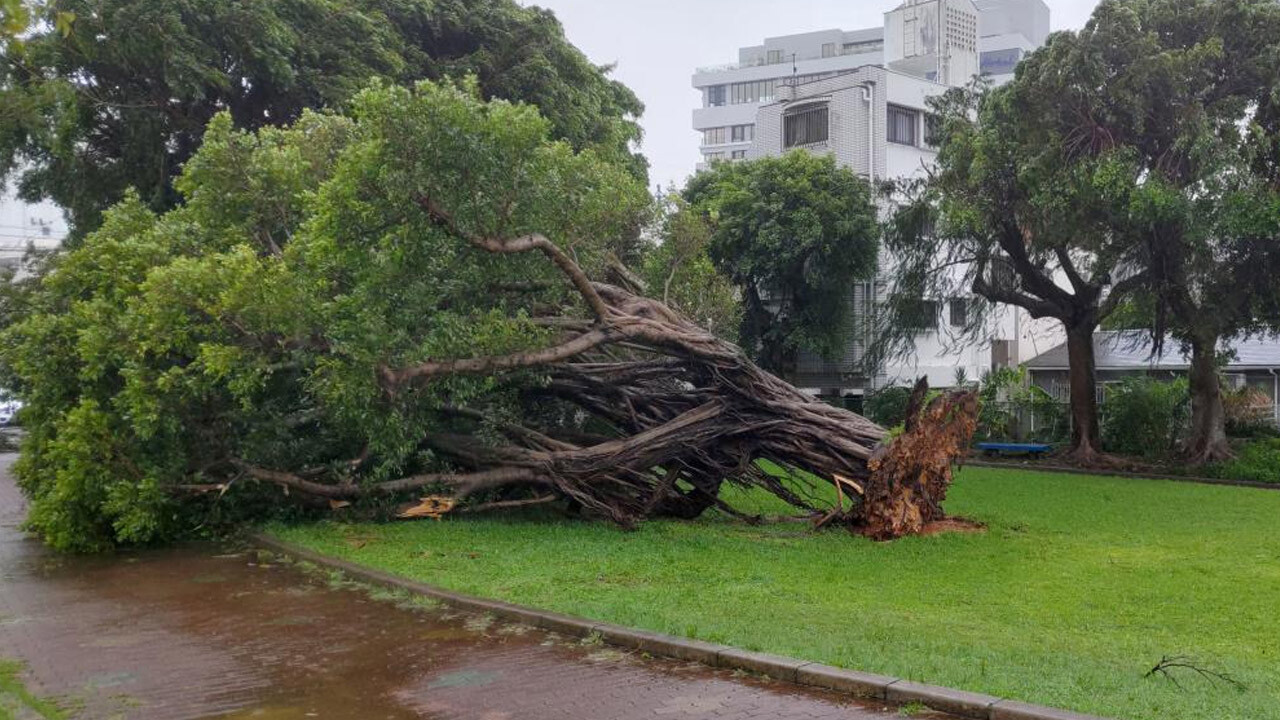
(205, 632)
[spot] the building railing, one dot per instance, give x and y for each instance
(726, 67)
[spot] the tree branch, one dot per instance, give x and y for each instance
(1037, 307)
(290, 480)
(524, 243)
(464, 484)
(1069, 267)
(496, 363)
(1119, 291)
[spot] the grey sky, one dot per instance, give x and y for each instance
(657, 44)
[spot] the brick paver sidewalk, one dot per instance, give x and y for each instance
(193, 634)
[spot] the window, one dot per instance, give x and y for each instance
(738, 155)
(775, 57)
(932, 130)
(959, 310)
(714, 136)
(902, 125)
(828, 50)
(805, 126)
(923, 315)
(1002, 274)
(715, 96)
(750, 92)
(713, 156)
(744, 133)
(861, 48)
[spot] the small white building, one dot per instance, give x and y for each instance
(863, 96)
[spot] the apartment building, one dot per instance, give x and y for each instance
(863, 97)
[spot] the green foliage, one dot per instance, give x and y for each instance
(1140, 153)
(1257, 461)
(14, 16)
(1012, 409)
(252, 321)
(679, 270)
(887, 407)
(94, 107)
(793, 233)
(1145, 417)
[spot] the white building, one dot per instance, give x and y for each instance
(25, 227)
(999, 32)
(862, 96)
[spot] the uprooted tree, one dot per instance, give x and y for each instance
(419, 301)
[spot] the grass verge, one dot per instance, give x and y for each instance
(1081, 585)
(16, 701)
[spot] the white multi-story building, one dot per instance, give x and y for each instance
(862, 96)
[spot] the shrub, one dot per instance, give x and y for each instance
(1146, 417)
(1258, 461)
(888, 406)
(1013, 410)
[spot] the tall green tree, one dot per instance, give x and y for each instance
(793, 233)
(1004, 215)
(109, 95)
(1180, 98)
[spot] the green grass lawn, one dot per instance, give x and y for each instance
(1079, 587)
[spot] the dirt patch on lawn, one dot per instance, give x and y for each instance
(953, 525)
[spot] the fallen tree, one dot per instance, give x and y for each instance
(688, 411)
(426, 302)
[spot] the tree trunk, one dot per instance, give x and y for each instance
(1086, 444)
(1207, 441)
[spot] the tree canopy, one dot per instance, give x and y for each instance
(793, 233)
(1004, 215)
(94, 105)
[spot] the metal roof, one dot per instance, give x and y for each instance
(1131, 350)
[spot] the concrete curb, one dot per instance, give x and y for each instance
(1117, 473)
(869, 685)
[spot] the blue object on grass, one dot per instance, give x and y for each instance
(996, 448)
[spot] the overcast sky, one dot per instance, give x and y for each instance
(657, 44)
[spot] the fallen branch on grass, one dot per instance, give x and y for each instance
(1169, 663)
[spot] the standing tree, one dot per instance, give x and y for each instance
(409, 302)
(94, 105)
(1179, 99)
(1004, 215)
(793, 233)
